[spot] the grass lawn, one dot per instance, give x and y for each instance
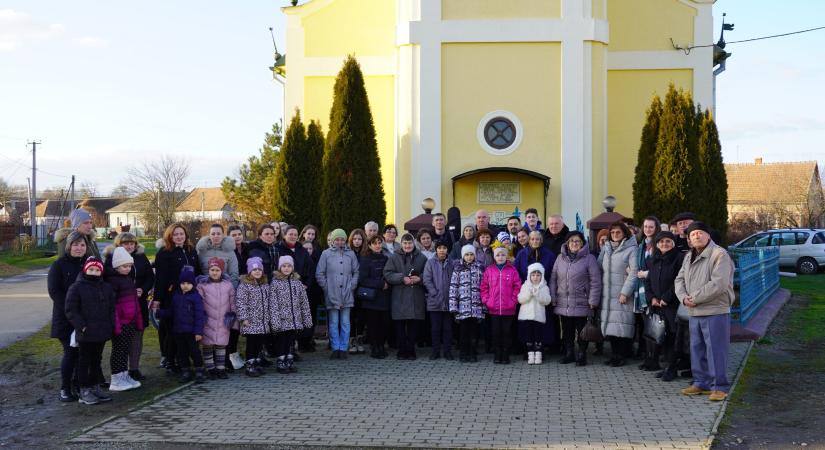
(17, 264)
(782, 384)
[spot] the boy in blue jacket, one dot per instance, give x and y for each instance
(188, 318)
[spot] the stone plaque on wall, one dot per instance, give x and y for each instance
(498, 192)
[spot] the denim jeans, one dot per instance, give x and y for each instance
(338, 323)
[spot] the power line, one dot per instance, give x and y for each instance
(688, 49)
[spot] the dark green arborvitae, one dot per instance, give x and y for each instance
(715, 196)
(352, 191)
(644, 201)
(315, 174)
(677, 181)
(291, 185)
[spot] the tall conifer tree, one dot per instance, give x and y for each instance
(643, 196)
(715, 196)
(291, 172)
(352, 191)
(315, 174)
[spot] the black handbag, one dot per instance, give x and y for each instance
(365, 293)
(591, 332)
(654, 327)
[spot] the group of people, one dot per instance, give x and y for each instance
(521, 290)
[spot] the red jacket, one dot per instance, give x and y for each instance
(499, 289)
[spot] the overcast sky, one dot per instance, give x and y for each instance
(105, 85)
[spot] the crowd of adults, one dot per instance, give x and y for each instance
(378, 291)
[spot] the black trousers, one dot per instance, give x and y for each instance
(405, 336)
(68, 364)
(188, 349)
(621, 347)
(442, 330)
(283, 343)
(501, 327)
(121, 345)
(378, 325)
(570, 329)
(254, 345)
(167, 339)
(533, 334)
(89, 371)
(467, 329)
(232, 346)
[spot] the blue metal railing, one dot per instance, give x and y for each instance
(756, 277)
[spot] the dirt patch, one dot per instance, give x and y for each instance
(778, 403)
(30, 413)
(7, 270)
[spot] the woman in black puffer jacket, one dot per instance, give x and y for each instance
(376, 310)
(663, 267)
(62, 274)
(175, 251)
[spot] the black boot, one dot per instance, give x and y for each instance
(186, 376)
(249, 369)
(581, 355)
(281, 366)
(290, 364)
(568, 354)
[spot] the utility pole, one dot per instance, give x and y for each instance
(71, 194)
(33, 204)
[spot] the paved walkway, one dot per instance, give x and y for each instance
(389, 403)
(25, 305)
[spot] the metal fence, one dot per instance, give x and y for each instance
(756, 277)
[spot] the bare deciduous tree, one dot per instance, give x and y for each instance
(157, 187)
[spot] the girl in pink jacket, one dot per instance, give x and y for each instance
(219, 306)
(500, 286)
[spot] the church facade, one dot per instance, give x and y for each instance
(502, 105)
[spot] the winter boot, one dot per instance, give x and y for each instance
(186, 376)
(249, 369)
(87, 397)
(66, 395)
(581, 355)
(136, 375)
(448, 355)
(221, 374)
(119, 383)
(135, 383)
(531, 358)
(97, 390)
(281, 366)
(537, 358)
(290, 364)
(435, 355)
(568, 354)
(199, 376)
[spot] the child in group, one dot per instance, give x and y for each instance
(503, 241)
(90, 308)
(465, 301)
(252, 303)
(500, 286)
(533, 297)
(128, 320)
(437, 274)
(289, 307)
(219, 305)
(188, 320)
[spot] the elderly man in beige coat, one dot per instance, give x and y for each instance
(705, 286)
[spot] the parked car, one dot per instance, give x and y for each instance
(803, 248)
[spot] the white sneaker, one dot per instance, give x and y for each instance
(538, 358)
(531, 357)
(119, 382)
(135, 383)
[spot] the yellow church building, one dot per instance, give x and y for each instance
(501, 104)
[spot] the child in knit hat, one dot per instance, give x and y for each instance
(465, 301)
(219, 305)
(128, 320)
(534, 296)
(188, 320)
(289, 312)
(500, 286)
(503, 240)
(252, 303)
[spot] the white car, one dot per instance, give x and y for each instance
(803, 248)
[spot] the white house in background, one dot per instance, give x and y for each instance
(126, 213)
(204, 204)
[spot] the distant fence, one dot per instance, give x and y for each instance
(756, 276)
(9, 234)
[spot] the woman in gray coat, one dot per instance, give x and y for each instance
(337, 274)
(619, 273)
(404, 272)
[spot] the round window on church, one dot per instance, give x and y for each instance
(500, 132)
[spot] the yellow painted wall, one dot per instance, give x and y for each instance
(499, 9)
(318, 92)
(362, 27)
(598, 88)
(648, 24)
(466, 193)
(630, 94)
(471, 87)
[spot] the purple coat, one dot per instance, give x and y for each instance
(576, 283)
(527, 256)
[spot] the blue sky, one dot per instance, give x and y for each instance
(105, 85)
